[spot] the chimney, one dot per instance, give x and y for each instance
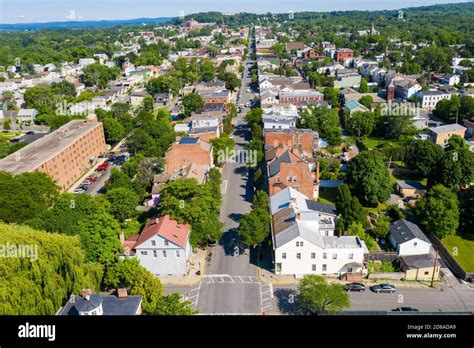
(298, 216)
(317, 172)
(86, 293)
(293, 202)
(122, 237)
(122, 293)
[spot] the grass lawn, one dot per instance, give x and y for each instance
(464, 248)
(327, 195)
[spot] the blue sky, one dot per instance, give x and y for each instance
(29, 11)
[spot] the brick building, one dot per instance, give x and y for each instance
(292, 138)
(343, 54)
(187, 151)
(300, 97)
(65, 154)
(290, 170)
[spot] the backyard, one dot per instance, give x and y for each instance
(462, 249)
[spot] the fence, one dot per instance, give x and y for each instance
(391, 275)
(384, 256)
(450, 260)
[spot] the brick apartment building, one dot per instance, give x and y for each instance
(300, 97)
(292, 138)
(343, 54)
(216, 97)
(65, 154)
(186, 151)
(290, 170)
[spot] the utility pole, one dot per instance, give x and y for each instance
(434, 268)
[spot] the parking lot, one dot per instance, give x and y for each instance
(94, 183)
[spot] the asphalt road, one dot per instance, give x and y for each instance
(441, 299)
(230, 285)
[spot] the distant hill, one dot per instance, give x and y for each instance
(82, 24)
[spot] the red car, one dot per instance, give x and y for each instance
(103, 166)
(92, 178)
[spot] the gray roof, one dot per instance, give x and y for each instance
(447, 128)
(321, 207)
(111, 305)
(201, 130)
(286, 228)
(274, 166)
(411, 185)
(403, 231)
(419, 261)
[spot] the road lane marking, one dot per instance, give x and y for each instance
(224, 186)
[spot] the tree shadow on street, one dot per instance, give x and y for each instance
(287, 301)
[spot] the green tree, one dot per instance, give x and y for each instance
(123, 203)
(149, 287)
(323, 120)
(121, 273)
(173, 304)
(423, 156)
(147, 169)
(25, 196)
(163, 84)
(368, 178)
(333, 96)
(317, 296)
(99, 75)
(192, 102)
(254, 227)
(364, 86)
(207, 70)
(148, 103)
(40, 284)
(100, 238)
(361, 123)
(348, 207)
(114, 131)
(438, 211)
(221, 149)
(455, 169)
(357, 229)
(367, 101)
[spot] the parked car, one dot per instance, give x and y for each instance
(354, 287)
(86, 182)
(78, 190)
(388, 288)
(103, 166)
(405, 309)
(83, 187)
(92, 178)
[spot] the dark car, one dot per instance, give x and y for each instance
(354, 287)
(405, 309)
(387, 288)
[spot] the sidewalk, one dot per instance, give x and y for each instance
(267, 277)
(197, 267)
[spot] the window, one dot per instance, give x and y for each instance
(334, 256)
(283, 255)
(155, 254)
(313, 267)
(288, 179)
(167, 243)
(164, 253)
(153, 243)
(415, 244)
(313, 255)
(351, 256)
(278, 267)
(326, 233)
(177, 253)
(301, 243)
(297, 244)
(277, 179)
(426, 273)
(325, 268)
(144, 253)
(349, 270)
(325, 255)
(298, 256)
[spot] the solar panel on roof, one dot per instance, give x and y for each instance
(188, 140)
